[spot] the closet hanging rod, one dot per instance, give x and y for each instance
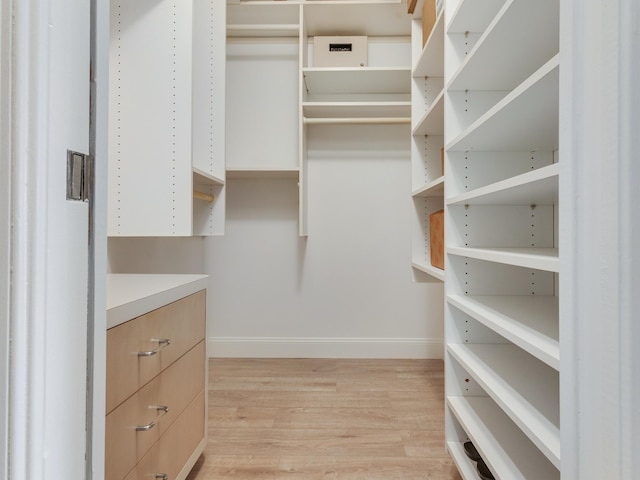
(203, 196)
(358, 120)
(260, 26)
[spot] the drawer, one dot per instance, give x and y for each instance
(175, 447)
(136, 353)
(175, 388)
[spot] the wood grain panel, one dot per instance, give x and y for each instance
(325, 419)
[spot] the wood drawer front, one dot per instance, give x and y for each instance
(175, 388)
(182, 322)
(124, 446)
(176, 446)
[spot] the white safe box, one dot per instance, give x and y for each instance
(340, 51)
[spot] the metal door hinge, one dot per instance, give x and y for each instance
(78, 176)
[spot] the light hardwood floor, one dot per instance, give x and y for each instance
(325, 419)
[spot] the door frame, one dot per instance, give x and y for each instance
(25, 242)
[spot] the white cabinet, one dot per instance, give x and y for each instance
(501, 216)
(166, 126)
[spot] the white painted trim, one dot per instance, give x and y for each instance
(5, 227)
(275, 347)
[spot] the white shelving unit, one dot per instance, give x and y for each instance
(379, 93)
(427, 129)
(166, 152)
(501, 229)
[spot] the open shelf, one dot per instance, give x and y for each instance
(431, 60)
(530, 257)
(253, 20)
(527, 390)
(431, 189)
(372, 19)
(503, 56)
(356, 109)
(472, 16)
(201, 177)
(429, 269)
(466, 466)
(357, 80)
(432, 122)
(506, 127)
(509, 454)
(529, 321)
(262, 173)
(538, 187)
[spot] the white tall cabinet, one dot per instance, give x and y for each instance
(166, 118)
(502, 349)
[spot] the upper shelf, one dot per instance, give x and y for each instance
(431, 189)
(538, 187)
(200, 177)
(431, 60)
(432, 122)
(539, 258)
(504, 55)
(356, 109)
(374, 19)
(473, 16)
(525, 120)
(357, 80)
(254, 20)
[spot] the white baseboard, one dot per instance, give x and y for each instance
(275, 347)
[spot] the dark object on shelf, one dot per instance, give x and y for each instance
(484, 472)
(471, 452)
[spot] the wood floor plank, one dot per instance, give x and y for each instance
(306, 419)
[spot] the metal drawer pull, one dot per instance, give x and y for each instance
(162, 476)
(163, 409)
(162, 342)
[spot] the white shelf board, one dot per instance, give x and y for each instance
(509, 454)
(201, 177)
(429, 270)
(525, 120)
(262, 173)
(356, 109)
(527, 390)
(432, 122)
(530, 257)
(374, 19)
(263, 20)
(473, 16)
(529, 321)
(431, 60)
(357, 80)
(466, 466)
(431, 189)
(537, 187)
(504, 54)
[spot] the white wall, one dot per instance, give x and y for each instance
(347, 289)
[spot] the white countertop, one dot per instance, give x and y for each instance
(132, 295)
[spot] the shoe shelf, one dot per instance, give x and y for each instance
(432, 122)
(538, 187)
(525, 389)
(524, 120)
(528, 321)
(431, 189)
(505, 53)
(506, 450)
(466, 466)
(540, 258)
(473, 16)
